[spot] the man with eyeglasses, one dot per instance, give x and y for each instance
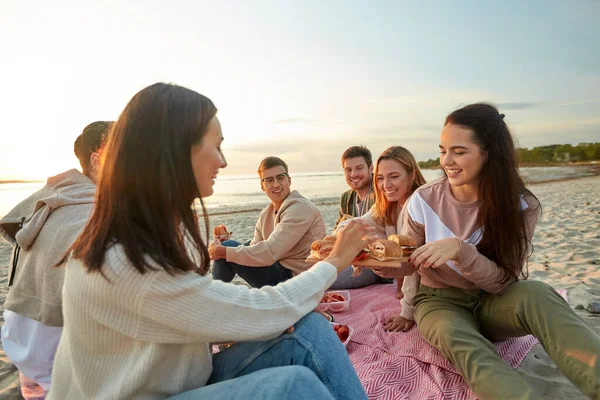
(282, 237)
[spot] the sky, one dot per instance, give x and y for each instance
(302, 80)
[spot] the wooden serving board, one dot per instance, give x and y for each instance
(370, 262)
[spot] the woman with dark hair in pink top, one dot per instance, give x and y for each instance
(474, 227)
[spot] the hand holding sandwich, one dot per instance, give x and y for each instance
(350, 241)
(216, 251)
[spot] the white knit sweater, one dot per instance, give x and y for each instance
(147, 336)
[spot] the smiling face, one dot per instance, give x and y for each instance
(207, 158)
(275, 182)
(461, 158)
(357, 173)
(393, 180)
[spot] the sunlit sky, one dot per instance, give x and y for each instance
(301, 80)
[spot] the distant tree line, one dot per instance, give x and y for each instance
(430, 164)
(560, 153)
(555, 153)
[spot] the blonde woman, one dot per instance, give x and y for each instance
(397, 176)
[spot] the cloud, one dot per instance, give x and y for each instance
(518, 105)
(579, 103)
(297, 120)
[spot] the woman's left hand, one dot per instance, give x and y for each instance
(435, 254)
(398, 324)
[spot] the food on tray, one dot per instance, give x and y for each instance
(320, 249)
(332, 297)
(403, 240)
(335, 301)
(393, 248)
(383, 250)
(406, 242)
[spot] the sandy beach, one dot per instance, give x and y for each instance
(566, 256)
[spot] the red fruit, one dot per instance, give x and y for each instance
(343, 333)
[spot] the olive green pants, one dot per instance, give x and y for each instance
(461, 323)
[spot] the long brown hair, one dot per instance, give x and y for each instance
(500, 189)
(147, 188)
(384, 210)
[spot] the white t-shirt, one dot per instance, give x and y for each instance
(31, 346)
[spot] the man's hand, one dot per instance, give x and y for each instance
(216, 251)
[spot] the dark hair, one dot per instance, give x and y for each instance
(501, 186)
(358, 151)
(147, 187)
(271, 162)
(90, 141)
(383, 209)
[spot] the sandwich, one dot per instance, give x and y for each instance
(220, 233)
(403, 240)
(320, 249)
(219, 230)
(384, 250)
(406, 242)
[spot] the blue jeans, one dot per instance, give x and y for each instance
(309, 363)
(257, 277)
(345, 280)
(292, 382)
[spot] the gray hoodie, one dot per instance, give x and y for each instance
(52, 219)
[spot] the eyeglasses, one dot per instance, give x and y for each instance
(270, 179)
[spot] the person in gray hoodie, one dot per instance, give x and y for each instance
(42, 228)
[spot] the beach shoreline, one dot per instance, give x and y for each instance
(333, 202)
(566, 256)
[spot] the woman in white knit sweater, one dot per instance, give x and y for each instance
(397, 176)
(141, 309)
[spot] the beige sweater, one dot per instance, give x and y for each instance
(284, 236)
(148, 336)
(53, 218)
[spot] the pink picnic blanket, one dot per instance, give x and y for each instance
(397, 365)
(30, 390)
